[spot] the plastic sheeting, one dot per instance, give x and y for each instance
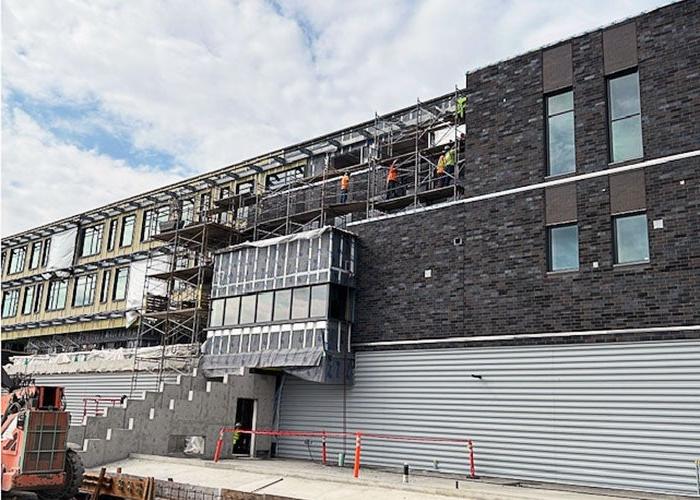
(137, 281)
(101, 361)
(62, 249)
(313, 363)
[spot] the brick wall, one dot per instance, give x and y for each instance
(497, 282)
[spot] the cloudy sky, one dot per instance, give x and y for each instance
(104, 99)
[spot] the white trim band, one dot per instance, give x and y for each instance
(486, 338)
(539, 185)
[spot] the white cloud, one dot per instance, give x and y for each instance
(44, 178)
(214, 82)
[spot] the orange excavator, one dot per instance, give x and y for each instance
(35, 453)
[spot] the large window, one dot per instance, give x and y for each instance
(38, 295)
(84, 291)
(631, 239)
(319, 301)
(45, 253)
(152, 219)
(283, 305)
(92, 240)
(35, 258)
(17, 256)
(57, 295)
(104, 288)
(300, 303)
(216, 317)
(233, 306)
(264, 309)
(121, 277)
(625, 117)
(127, 234)
(112, 237)
(10, 299)
(280, 179)
(247, 309)
(28, 302)
(563, 248)
(561, 151)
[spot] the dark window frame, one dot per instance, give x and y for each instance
(124, 225)
(35, 255)
(550, 266)
(104, 285)
(12, 296)
(112, 234)
(88, 293)
(95, 234)
(53, 294)
(615, 239)
(26, 312)
(38, 296)
(608, 96)
(117, 274)
(45, 252)
(152, 218)
(11, 268)
(547, 116)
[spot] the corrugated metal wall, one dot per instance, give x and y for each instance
(88, 385)
(613, 415)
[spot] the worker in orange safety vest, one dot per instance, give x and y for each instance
(392, 181)
(344, 187)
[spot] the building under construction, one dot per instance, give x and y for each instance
(515, 262)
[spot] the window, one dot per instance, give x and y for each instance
(563, 247)
(39, 292)
(127, 234)
(264, 311)
(35, 258)
(281, 179)
(319, 301)
(84, 290)
(625, 117)
(187, 211)
(4, 259)
(204, 205)
(152, 219)
(121, 276)
(631, 239)
(300, 303)
(561, 151)
(92, 240)
(233, 306)
(283, 303)
(28, 302)
(57, 295)
(104, 288)
(216, 318)
(45, 254)
(112, 237)
(247, 309)
(17, 256)
(10, 299)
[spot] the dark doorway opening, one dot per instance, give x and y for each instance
(245, 413)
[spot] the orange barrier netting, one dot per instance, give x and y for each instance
(358, 442)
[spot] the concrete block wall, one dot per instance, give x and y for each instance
(193, 406)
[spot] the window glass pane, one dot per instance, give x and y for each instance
(36, 255)
(217, 313)
(319, 301)
(127, 235)
(247, 309)
(624, 96)
(300, 303)
(232, 306)
(264, 307)
(120, 279)
(627, 138)
(631, 239)
(562, 157)
(283, 302)
(563, 248)
(28, 300)
(559, 103)
(45, 253)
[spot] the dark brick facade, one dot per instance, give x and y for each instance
(496, 282)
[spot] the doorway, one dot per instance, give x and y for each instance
(245, 415)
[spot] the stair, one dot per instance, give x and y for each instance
(192, 406)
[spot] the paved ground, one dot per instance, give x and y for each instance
(305, 480)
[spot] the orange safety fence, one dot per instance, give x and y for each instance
(93, 404)
(359, 436)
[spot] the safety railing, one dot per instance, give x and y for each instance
(358, 436)
(92, 406)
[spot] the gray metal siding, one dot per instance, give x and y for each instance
(88, 385)
(611, 415)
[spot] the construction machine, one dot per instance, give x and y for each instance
(35, 454)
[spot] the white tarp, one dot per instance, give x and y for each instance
(137, 279)
(103, 360)
(62, 249)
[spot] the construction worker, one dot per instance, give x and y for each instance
(392, 181)
(344, 187)
(450, 160)
(461, 107)
(236, 436)
(440, 177)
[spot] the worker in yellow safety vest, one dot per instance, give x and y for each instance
(440, 177)
(344, 187)
(450, 161)
(236, 436)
